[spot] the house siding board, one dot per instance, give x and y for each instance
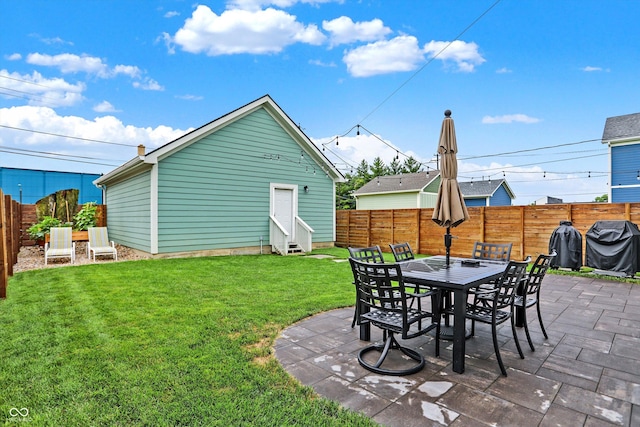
(215, 193)
(475, 202)
(433, 187)
(500, 197)
(625, 164)
(625, 195)
(129, 212)
(388, 201)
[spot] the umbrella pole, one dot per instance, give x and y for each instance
(447, 245)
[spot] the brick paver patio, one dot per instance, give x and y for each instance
(586, 374)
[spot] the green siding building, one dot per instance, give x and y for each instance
(248, 182)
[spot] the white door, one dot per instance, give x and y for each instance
(283, 209)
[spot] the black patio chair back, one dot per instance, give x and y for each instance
(495, 305)
(402, 252)
(531, 291)
(368, 254)
(382, 292)
(492, 251)
(371, 254)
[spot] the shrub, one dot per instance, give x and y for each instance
(86, 217)
(38, 230)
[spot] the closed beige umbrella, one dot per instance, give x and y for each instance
(450, 210)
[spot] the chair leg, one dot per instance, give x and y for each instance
(515, 336)
(494, 332)
(526, 329)
(356, 311)
(544, 332)
(390, 343)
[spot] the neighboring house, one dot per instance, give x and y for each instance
(420, 190)
(495, 192)
(30, 185)
(548, 200)
(247, 182)
(622, 134)
(411, 190)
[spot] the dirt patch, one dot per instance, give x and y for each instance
(32, 257)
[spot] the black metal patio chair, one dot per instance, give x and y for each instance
(372, 254)
(382, 291)
(402, 252)
(530, 292)
(495, 305)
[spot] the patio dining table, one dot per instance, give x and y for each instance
(460, 276)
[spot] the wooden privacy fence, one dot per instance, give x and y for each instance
(15, 219)
(527, 227)
(9, 239)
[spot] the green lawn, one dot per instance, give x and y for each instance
(165, 342)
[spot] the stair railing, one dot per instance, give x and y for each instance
(278, 237)
(304, 235)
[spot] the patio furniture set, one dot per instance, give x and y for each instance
(61, 244)
(487, 288)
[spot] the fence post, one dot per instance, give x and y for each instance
(4, 276)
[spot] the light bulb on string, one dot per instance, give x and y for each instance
(358, 131)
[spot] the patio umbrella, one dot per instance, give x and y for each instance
(450, 210)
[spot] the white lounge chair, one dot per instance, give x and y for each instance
(60, 244)
(99, 243)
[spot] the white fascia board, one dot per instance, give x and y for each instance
(132, 167)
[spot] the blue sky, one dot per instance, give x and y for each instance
(540, 76)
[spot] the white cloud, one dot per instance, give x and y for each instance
(129, 70)
(171, 14)
(353, 149)
(243, 31)
(104, 107)
(103, 128)
(591, 69)
(190, 97)
(148, 84)
(320, 63)
(70, 63)
(399, 54)
(42, 91)
(14, 57)
(343, 30)
(464, 55)
(503, 70)
(510, 118)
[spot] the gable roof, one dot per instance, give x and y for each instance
(484, 188)
(409, 182)
(621, 128)
(143, 162)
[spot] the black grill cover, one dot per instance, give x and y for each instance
(614, 245)
(567, 242)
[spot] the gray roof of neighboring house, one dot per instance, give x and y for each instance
(483, 188)
(395, 183)
(621, 127)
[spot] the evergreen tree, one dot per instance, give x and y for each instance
(395, 168)
(378, 168)
(411, 165)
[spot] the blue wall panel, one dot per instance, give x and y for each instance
(625, 165)
(37, 184)
(625, 195)
(500, 197)
(475, 202)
